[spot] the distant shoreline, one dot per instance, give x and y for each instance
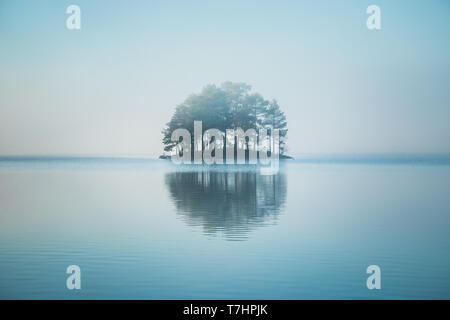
(282, 157)
(385, 158)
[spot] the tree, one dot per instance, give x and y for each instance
(228, 106)
(275, 118)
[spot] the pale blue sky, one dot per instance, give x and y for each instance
(110, 87)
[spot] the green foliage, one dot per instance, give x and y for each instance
(229, 106)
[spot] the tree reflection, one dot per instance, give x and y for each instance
(227, 202)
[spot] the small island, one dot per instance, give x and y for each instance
(230, 105)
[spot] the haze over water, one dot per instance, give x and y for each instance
(147, 229)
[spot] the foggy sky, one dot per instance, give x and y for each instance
(109, 88)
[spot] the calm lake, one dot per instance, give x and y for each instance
(147, 229)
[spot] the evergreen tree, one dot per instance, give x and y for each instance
(229, 106)
(276, 119)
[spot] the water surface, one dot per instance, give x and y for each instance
(146, 229)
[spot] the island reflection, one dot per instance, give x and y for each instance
(231, 203)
